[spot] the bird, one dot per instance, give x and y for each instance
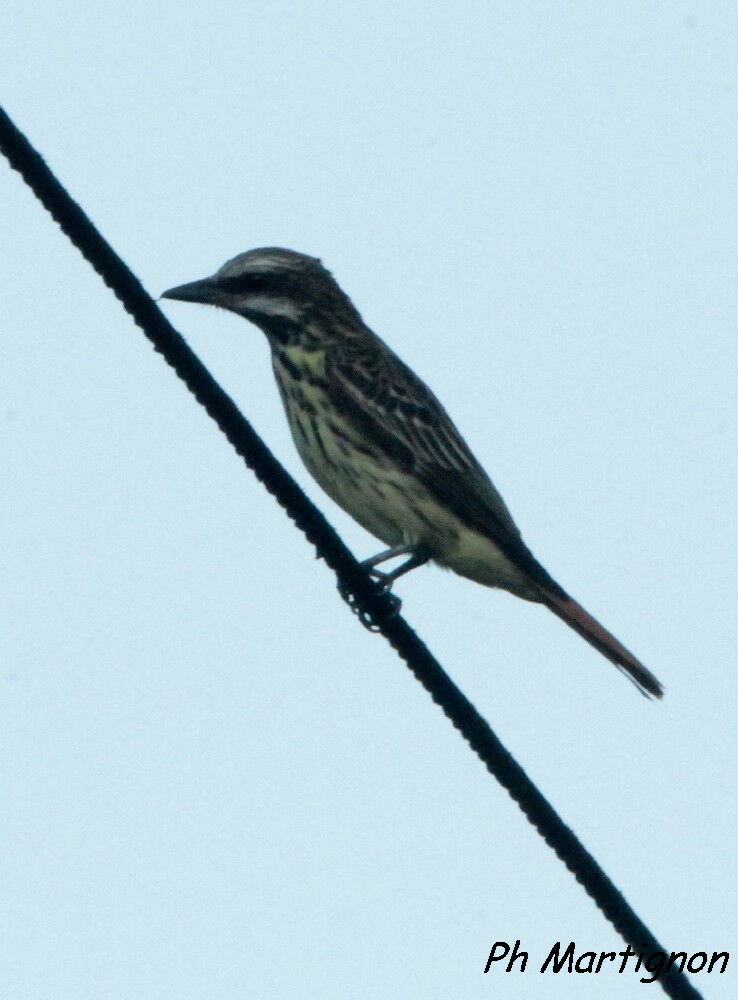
(381, 445)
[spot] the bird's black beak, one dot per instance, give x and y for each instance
(205, 291)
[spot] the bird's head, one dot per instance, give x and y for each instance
(281, 291)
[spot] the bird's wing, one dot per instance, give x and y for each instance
(388, 403)
(385, 401)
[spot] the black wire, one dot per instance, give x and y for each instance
(372, 606)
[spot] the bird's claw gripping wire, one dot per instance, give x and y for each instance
(419, 556)
(384, 583)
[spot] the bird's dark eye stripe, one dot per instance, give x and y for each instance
(245, 283)
(253, 284)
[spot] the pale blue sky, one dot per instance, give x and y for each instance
(214, 783)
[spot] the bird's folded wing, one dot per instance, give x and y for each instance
(388, 404)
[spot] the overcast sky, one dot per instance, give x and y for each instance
(214, 782)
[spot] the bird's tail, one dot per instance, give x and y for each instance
(590, 629)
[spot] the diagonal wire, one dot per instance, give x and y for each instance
(373, 607)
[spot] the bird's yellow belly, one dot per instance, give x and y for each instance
(390, 504)
(395, 508)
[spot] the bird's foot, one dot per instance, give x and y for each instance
(384, 584)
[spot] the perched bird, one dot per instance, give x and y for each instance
(379, 442)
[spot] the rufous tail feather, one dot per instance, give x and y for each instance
(597, 635)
